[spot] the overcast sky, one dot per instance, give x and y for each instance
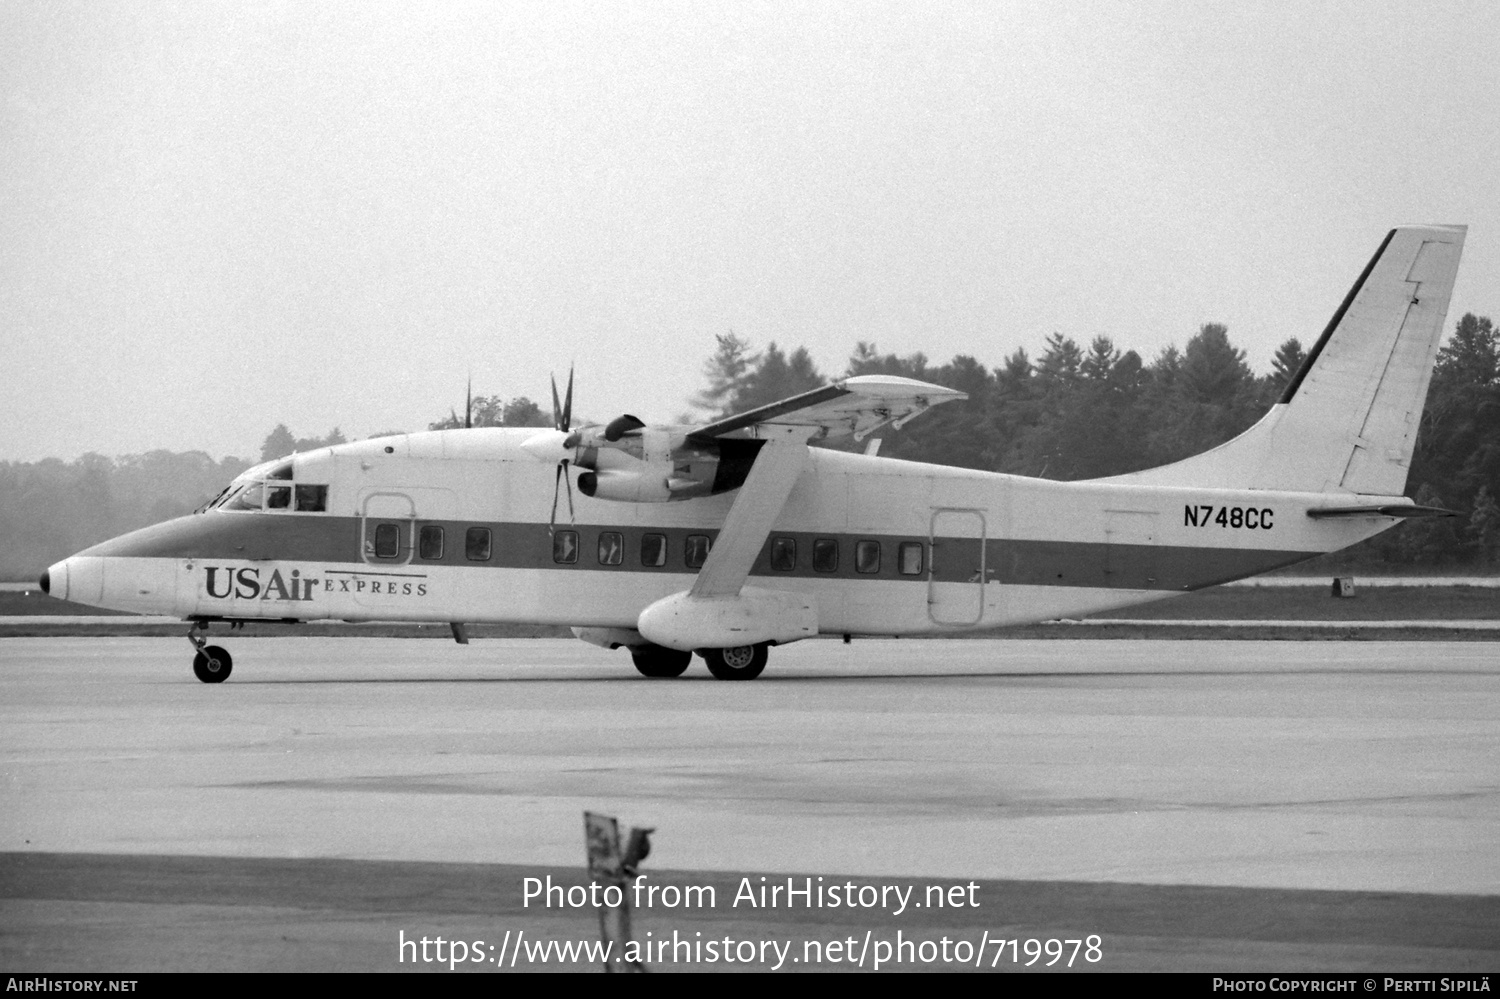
(218, 217)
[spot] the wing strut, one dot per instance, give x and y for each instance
(755, 509)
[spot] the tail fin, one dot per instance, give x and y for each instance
(1347, 421)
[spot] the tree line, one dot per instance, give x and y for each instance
(1070, 413)
(1082, 413)
(50, 509)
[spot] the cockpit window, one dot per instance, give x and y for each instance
(248, 497)
(313, 499)
(273, 493)
(216, 500)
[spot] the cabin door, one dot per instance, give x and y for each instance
(956, 571)
(404, 536)
(389, 519)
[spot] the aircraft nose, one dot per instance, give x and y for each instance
(46, 581)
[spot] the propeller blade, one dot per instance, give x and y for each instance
(563, 467)
(568, 403)
(552, 520)
(469, 404)
(558, 423)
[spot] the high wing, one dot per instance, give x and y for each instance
(852, 407)
(855, 406)
(719, 611)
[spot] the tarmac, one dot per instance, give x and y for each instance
(1197, 805)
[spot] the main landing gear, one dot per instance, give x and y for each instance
(212, 663)
(657, 661)
(743, 662)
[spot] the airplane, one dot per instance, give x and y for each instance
(731, 537)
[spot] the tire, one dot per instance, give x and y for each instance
(658, 662)
(212, 665)
(743, 662)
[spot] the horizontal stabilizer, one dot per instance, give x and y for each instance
(1400, 510)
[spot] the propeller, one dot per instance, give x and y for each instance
(562, 420)
(566, 446)
(562, 415)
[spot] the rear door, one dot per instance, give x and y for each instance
(956, 571)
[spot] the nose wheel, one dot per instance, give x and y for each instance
(211, 663)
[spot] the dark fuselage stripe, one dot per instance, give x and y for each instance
(240, 537)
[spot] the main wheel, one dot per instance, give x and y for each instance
(212, 664)
(743, 662)
(657, 661)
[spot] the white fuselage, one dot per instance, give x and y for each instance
(882, 546)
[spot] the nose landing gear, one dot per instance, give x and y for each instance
(212, 663)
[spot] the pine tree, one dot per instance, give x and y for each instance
(1458, 445)
(1288, 361)
(726, 371)
(1473, 355)
(1484, 527)
(278, 444)
(776, 377)
(1101, 360)
(1213, 369)
(1060, 360)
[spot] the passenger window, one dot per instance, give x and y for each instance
(784, 554)
(653, 549)
(565, 547)
(826, 555)
(867, 556)
(611, 548)
(910, 558)
(313, 499)
(387, 541)
(696, 552)
(430, 542)
(279, 498)
(477, 544)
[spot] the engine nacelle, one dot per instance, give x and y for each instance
(655, 466)
(648, 485)
(646, 465)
